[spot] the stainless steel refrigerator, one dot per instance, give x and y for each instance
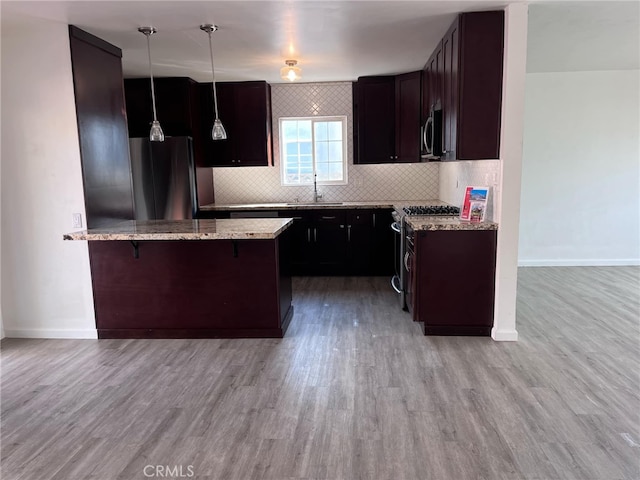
(164, 179)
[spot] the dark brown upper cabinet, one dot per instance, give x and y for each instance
(244, 109)
(469, 81)
(408, 88)
(386, 113)
(374, 119)
(177, 106)
(432, 83)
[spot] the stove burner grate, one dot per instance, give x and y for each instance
(441, 210)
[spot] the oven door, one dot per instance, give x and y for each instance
(409, 271)
(396, 281)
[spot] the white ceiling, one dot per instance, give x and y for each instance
(332, 40)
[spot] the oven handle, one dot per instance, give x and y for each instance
(395, 280)
(395, 226)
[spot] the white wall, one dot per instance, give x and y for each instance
(580, 183)
(417, 181)
(46, 283)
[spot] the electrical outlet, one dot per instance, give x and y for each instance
(77, 220)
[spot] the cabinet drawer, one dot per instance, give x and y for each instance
(330, 216)
(360, 217)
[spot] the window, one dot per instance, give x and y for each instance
(311, 146)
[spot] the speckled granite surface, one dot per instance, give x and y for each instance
(226, 229)
(425, 222)
(320, 205)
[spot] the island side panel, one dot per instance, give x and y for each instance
(187, 289)
(285, 289)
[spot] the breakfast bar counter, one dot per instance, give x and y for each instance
(190, 278)
(207, 229)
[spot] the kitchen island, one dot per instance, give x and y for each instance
(224, 278)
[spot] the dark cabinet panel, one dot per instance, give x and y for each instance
(480, 85)
(450, 45)
(175, 110)
(464, 76)
(408, 106)
(194, 289)
(454, 281)
(361, 243)
(383, 240)
(245, 111)
(387, 118)
(375, 120)
(431, 83)
(341, 242)
(301, 242)
(330, 242)
(102, 128)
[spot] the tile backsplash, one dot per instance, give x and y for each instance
(417, 181)
(456, 176)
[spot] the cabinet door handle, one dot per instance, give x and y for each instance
(406, 261)
(328, 218)
(348, 233)
(374, 220)
(315, 234)
(308, 234)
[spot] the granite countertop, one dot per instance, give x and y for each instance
(425, 222)
(319, 205)
(225, 229)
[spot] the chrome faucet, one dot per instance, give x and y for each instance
(316, 194)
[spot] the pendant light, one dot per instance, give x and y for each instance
(291, 72)
(217, 132)
(155, 134)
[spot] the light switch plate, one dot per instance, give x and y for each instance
(77, 220)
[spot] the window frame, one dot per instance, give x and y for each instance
(315, 119)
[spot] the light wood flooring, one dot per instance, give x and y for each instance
(354, 391)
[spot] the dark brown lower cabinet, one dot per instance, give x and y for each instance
(454, 281)
(341, 242)
(191, 289)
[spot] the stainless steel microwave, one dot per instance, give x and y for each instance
(432, 135)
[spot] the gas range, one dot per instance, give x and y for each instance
(403, 241)
(439, 210)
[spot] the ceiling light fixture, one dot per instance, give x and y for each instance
(155, 134)
(291, 72)
(217, 132)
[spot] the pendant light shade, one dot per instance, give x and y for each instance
(291, 72)
(217, 132)
(155, 134)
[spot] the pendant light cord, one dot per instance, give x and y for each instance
(213, 76)
(153, 92)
